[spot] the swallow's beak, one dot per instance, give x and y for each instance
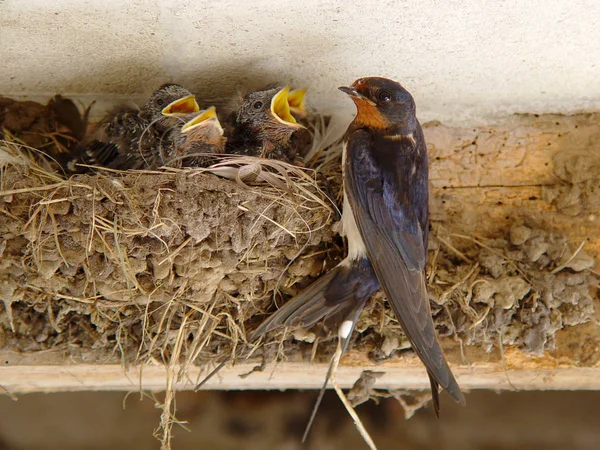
(280, 109)
(350, 90)
(354, 94)
(181, 107)
(297, 101)
(208, 117)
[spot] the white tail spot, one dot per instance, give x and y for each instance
(345, 329)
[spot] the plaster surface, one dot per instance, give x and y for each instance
(463, 61)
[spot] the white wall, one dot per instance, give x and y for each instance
(460, 60)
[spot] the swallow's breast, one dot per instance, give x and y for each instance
(356, 245)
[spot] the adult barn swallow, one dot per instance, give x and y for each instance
(194, 143)
(128, 138)
(263, 125)
(386, 221)
(386, 212)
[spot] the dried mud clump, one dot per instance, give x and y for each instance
(522, 291)
(579, 189)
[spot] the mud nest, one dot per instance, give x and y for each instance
(176, 266)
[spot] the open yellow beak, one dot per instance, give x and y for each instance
(181, 107)
(280, 109)
(206, 117)
(297, 101)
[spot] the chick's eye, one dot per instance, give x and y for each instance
(384, 96)
(160, 102)
(257, 105)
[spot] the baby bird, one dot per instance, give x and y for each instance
(197, 141)
(263, 126)
(128, 138)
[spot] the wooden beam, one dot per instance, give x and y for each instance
(93, 377)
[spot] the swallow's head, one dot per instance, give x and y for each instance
(170, 100)
(267, 114)
(204, 127)
(381, 103)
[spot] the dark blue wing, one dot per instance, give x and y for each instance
(386, 184)
(336, 296)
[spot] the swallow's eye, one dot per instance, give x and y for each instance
(160, 102)
(384, 96)
(257, 105)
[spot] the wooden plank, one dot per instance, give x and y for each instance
(84, 377)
